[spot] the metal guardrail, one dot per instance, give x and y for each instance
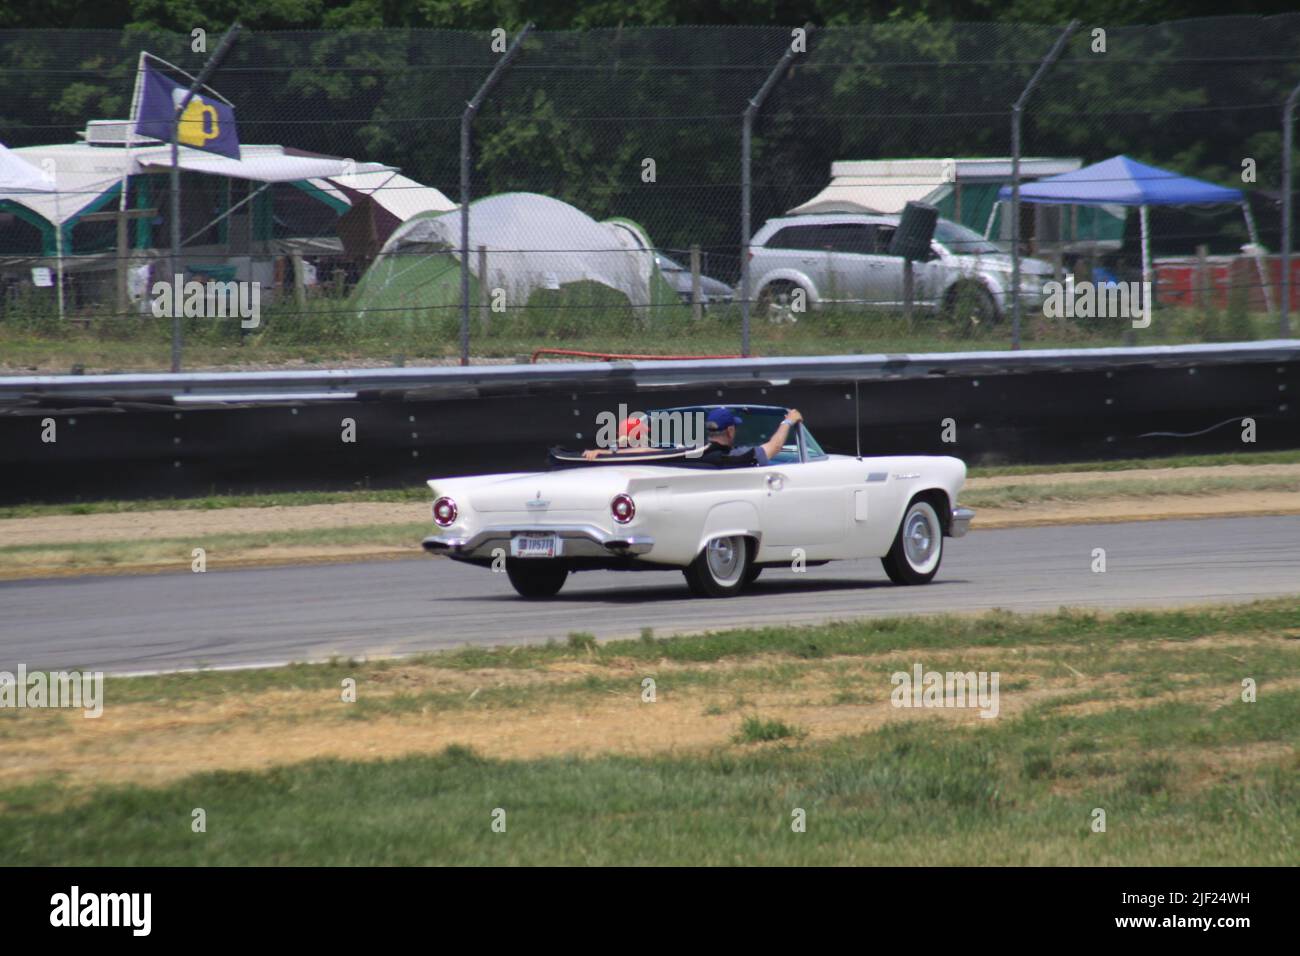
(349, 384)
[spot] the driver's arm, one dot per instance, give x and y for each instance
(774, 444)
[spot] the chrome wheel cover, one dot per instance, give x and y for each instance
(920, 539)
(725, 558)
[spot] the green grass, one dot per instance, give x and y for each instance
(1016, 790)
(759, 730)
(329, 333)
(910, 794)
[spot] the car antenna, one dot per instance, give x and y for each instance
(857, 425)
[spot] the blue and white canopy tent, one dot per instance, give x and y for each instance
(1121, 181)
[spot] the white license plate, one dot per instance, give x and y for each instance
(535, 545)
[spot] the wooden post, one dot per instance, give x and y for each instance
(299, 281)
(697, 302)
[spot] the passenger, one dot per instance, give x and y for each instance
(722, 450)
(720, 430)
(632, 440)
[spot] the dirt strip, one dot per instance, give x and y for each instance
(1154, 476)
(154, 743)
(160, 525)
(1234, 504)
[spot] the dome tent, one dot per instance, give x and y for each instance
(532, 243)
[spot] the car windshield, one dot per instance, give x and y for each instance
(757, 425)
(962, 241)
(671, 265)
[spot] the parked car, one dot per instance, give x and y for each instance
(679, 277)
(843, 259)
(669, 510)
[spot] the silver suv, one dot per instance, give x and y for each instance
(842, 259)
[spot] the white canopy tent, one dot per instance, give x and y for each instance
(887, 185)
(21, 178)
(85, 176)
(18, 175)
(86, 173)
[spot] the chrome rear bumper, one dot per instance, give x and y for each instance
(576, 541)
(960, 523)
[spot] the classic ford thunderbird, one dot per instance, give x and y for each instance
(673, 505)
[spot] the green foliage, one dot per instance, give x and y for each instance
(757, 730)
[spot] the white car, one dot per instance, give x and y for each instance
(842, 259)
(669, 508)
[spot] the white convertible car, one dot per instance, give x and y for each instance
(670, 508)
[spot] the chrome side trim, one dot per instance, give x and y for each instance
(960, 523)
(579, 541)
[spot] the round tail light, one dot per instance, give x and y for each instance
(444, 511)
(623, 508)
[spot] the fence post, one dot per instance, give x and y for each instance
(746, 155)
(1288, 117)
(1202, 277)
(466, 123)
(697, 305)
(484, 293)
(299, 282)
(1017, 108)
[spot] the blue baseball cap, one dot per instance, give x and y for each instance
(720, 419)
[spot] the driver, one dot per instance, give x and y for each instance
(722, 450)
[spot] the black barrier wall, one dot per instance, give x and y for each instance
(125, 449)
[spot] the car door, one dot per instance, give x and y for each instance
(886, 273)
(805, 505)
(801, 249)
(856, 270)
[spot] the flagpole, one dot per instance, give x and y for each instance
(58, 241)
(223, 48)
(122, 201)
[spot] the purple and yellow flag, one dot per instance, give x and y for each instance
(207, 123)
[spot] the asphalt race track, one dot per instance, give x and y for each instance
(246, 617)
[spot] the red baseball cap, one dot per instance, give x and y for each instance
(631, 429)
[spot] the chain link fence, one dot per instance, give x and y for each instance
(606, 186)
